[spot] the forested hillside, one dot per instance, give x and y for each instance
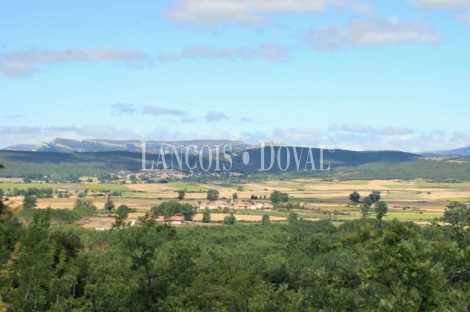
(344, 165)
(363, 265)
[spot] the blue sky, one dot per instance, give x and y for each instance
(352, 74)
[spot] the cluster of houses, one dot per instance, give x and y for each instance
(234, 205)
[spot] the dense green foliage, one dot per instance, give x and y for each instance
(361, 265)
(212, 194)
(29, 202)
(206, 216)
(230, 219)
(279, 197)
(354, 197)
(345, 165)
(172, 208)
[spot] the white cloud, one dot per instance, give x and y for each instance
(159, 111)
(11, 135)
(268, 51)
(411, 142)
(379, 140)
(211, 12)
(24, 63)
(442, 4)
(358, 128)
(373, 32)
(215, 116)
(14, 69)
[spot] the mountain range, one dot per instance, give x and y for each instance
(96, 145)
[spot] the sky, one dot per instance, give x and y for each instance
(349, 74)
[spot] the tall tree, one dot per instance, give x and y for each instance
(265, 220)
(109, 205)
(365, 210)
(354, 197)
(181, 194)
(206, 216)
(293, 217)
(279, 197)
(374, 196)
(29, 202)
(212, 194)
(381, 208)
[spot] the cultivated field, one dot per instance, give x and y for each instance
(417, 201)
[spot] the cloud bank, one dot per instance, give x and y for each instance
(354, 137)
(251, 12)
(373, 32)
(24, 63)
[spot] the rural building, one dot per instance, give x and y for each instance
(172, 220)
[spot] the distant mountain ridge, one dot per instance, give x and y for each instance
(463, 151)
(21, 148)
(97, 145)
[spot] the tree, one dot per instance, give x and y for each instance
(235, 196)
(1, 194)
(240, 189)
(30, 202)
(84, 204)
(181, 194)
(458, 216)
(365, 210)
(374, 196)
(354, 197)
(109, 205)
(206, 216)
(367, 201)
(123, 211)
(293, 217)
(381, 209)
(265, 220)
(278, 197)
(212, 194)
(230, 220)
(172, 207)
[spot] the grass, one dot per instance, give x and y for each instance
(227, 185)
(23, 186)
(412, 216)
(313, 200)
(442, 185)
(459, 199)
(189, 186)
(103, 187)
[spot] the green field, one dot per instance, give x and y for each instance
(412, 216)
(24, 186)
(441, 185)
(459, 199)
(103, 187)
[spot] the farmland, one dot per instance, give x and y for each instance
(312, 199)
